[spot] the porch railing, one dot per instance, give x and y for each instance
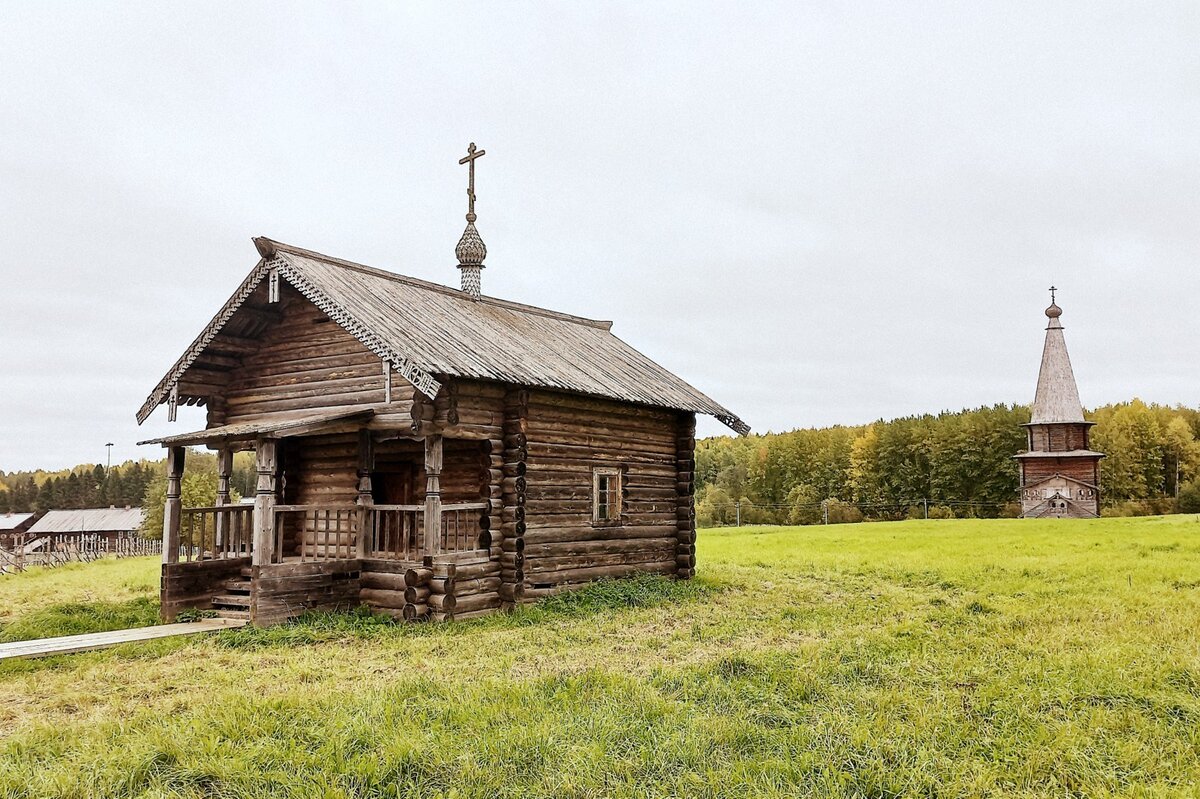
(393, 532)
(461, 528)
(316, 532)
(223, 531)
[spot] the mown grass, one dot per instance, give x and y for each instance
(959, 658)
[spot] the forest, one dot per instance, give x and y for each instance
(953, 464)
(132, 483)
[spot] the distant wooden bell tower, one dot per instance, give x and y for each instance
(1060, 474)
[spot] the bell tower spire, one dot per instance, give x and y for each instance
(471, 250)
(1060, 473)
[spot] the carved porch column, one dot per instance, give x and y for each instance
(224, 470)
(366, 520)
(266, 464)
(433, 495)
(173, 505)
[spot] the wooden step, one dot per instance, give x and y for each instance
(233, 614)
(247, 571)
(231, 600)
(238, 586)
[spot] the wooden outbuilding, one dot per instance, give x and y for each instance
(427, 451)
(14, 524)
(1060, 473)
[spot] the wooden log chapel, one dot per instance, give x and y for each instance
(425, 451)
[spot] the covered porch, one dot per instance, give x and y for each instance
(335, 501)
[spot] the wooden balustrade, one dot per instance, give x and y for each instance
(223, 531)
(394, 532)
(462, 526)
(316, 532)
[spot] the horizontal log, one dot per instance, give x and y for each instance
(443, 602)
(552, 531)
(587, 574)
(546, 564)
(384, 582)
(382, 598)
(443, 585)
(513, 530)
(481, 585)
(567, 548)
(477, 602)
(417, 596)
(413, 612)
(420, 576)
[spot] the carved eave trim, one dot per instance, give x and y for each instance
(733, 423)
(404, 366)
(171, 378)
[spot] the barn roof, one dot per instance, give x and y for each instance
(1057, 397)
(90, 520)
(430, 332)
(11, 521)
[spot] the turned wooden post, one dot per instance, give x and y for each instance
(173, 505)
(366, 462)
(224, 470)
(433, 495)
(264, 501)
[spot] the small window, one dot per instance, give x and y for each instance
(606, 496)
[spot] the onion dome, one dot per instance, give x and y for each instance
(470, 250)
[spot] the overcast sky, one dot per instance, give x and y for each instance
(814, 212)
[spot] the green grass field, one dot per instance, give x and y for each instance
(951, 658)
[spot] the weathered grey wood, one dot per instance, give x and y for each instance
(173, 505)
(433, 494)
(266, 464)
(68, 644)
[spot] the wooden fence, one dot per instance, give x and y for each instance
(55, 549)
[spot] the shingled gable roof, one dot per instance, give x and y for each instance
(1057, 396)
(429, 331)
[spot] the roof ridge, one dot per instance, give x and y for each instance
(268, 247)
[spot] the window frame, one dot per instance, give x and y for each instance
(614, 496)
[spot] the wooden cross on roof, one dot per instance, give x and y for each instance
(470, 157)
(1052, 291)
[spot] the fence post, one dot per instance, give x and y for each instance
(737, 506)
(825, 510)
(925, 502)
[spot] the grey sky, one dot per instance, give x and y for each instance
(815, 213)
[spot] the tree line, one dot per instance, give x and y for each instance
(949, 464)
(132, 484)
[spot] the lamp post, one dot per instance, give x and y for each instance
(108, 469)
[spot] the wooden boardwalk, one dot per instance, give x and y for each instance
(81, 643)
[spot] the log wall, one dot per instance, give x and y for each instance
(568, 436)
(306, 361)
(1058, 437)
(1086, 470)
